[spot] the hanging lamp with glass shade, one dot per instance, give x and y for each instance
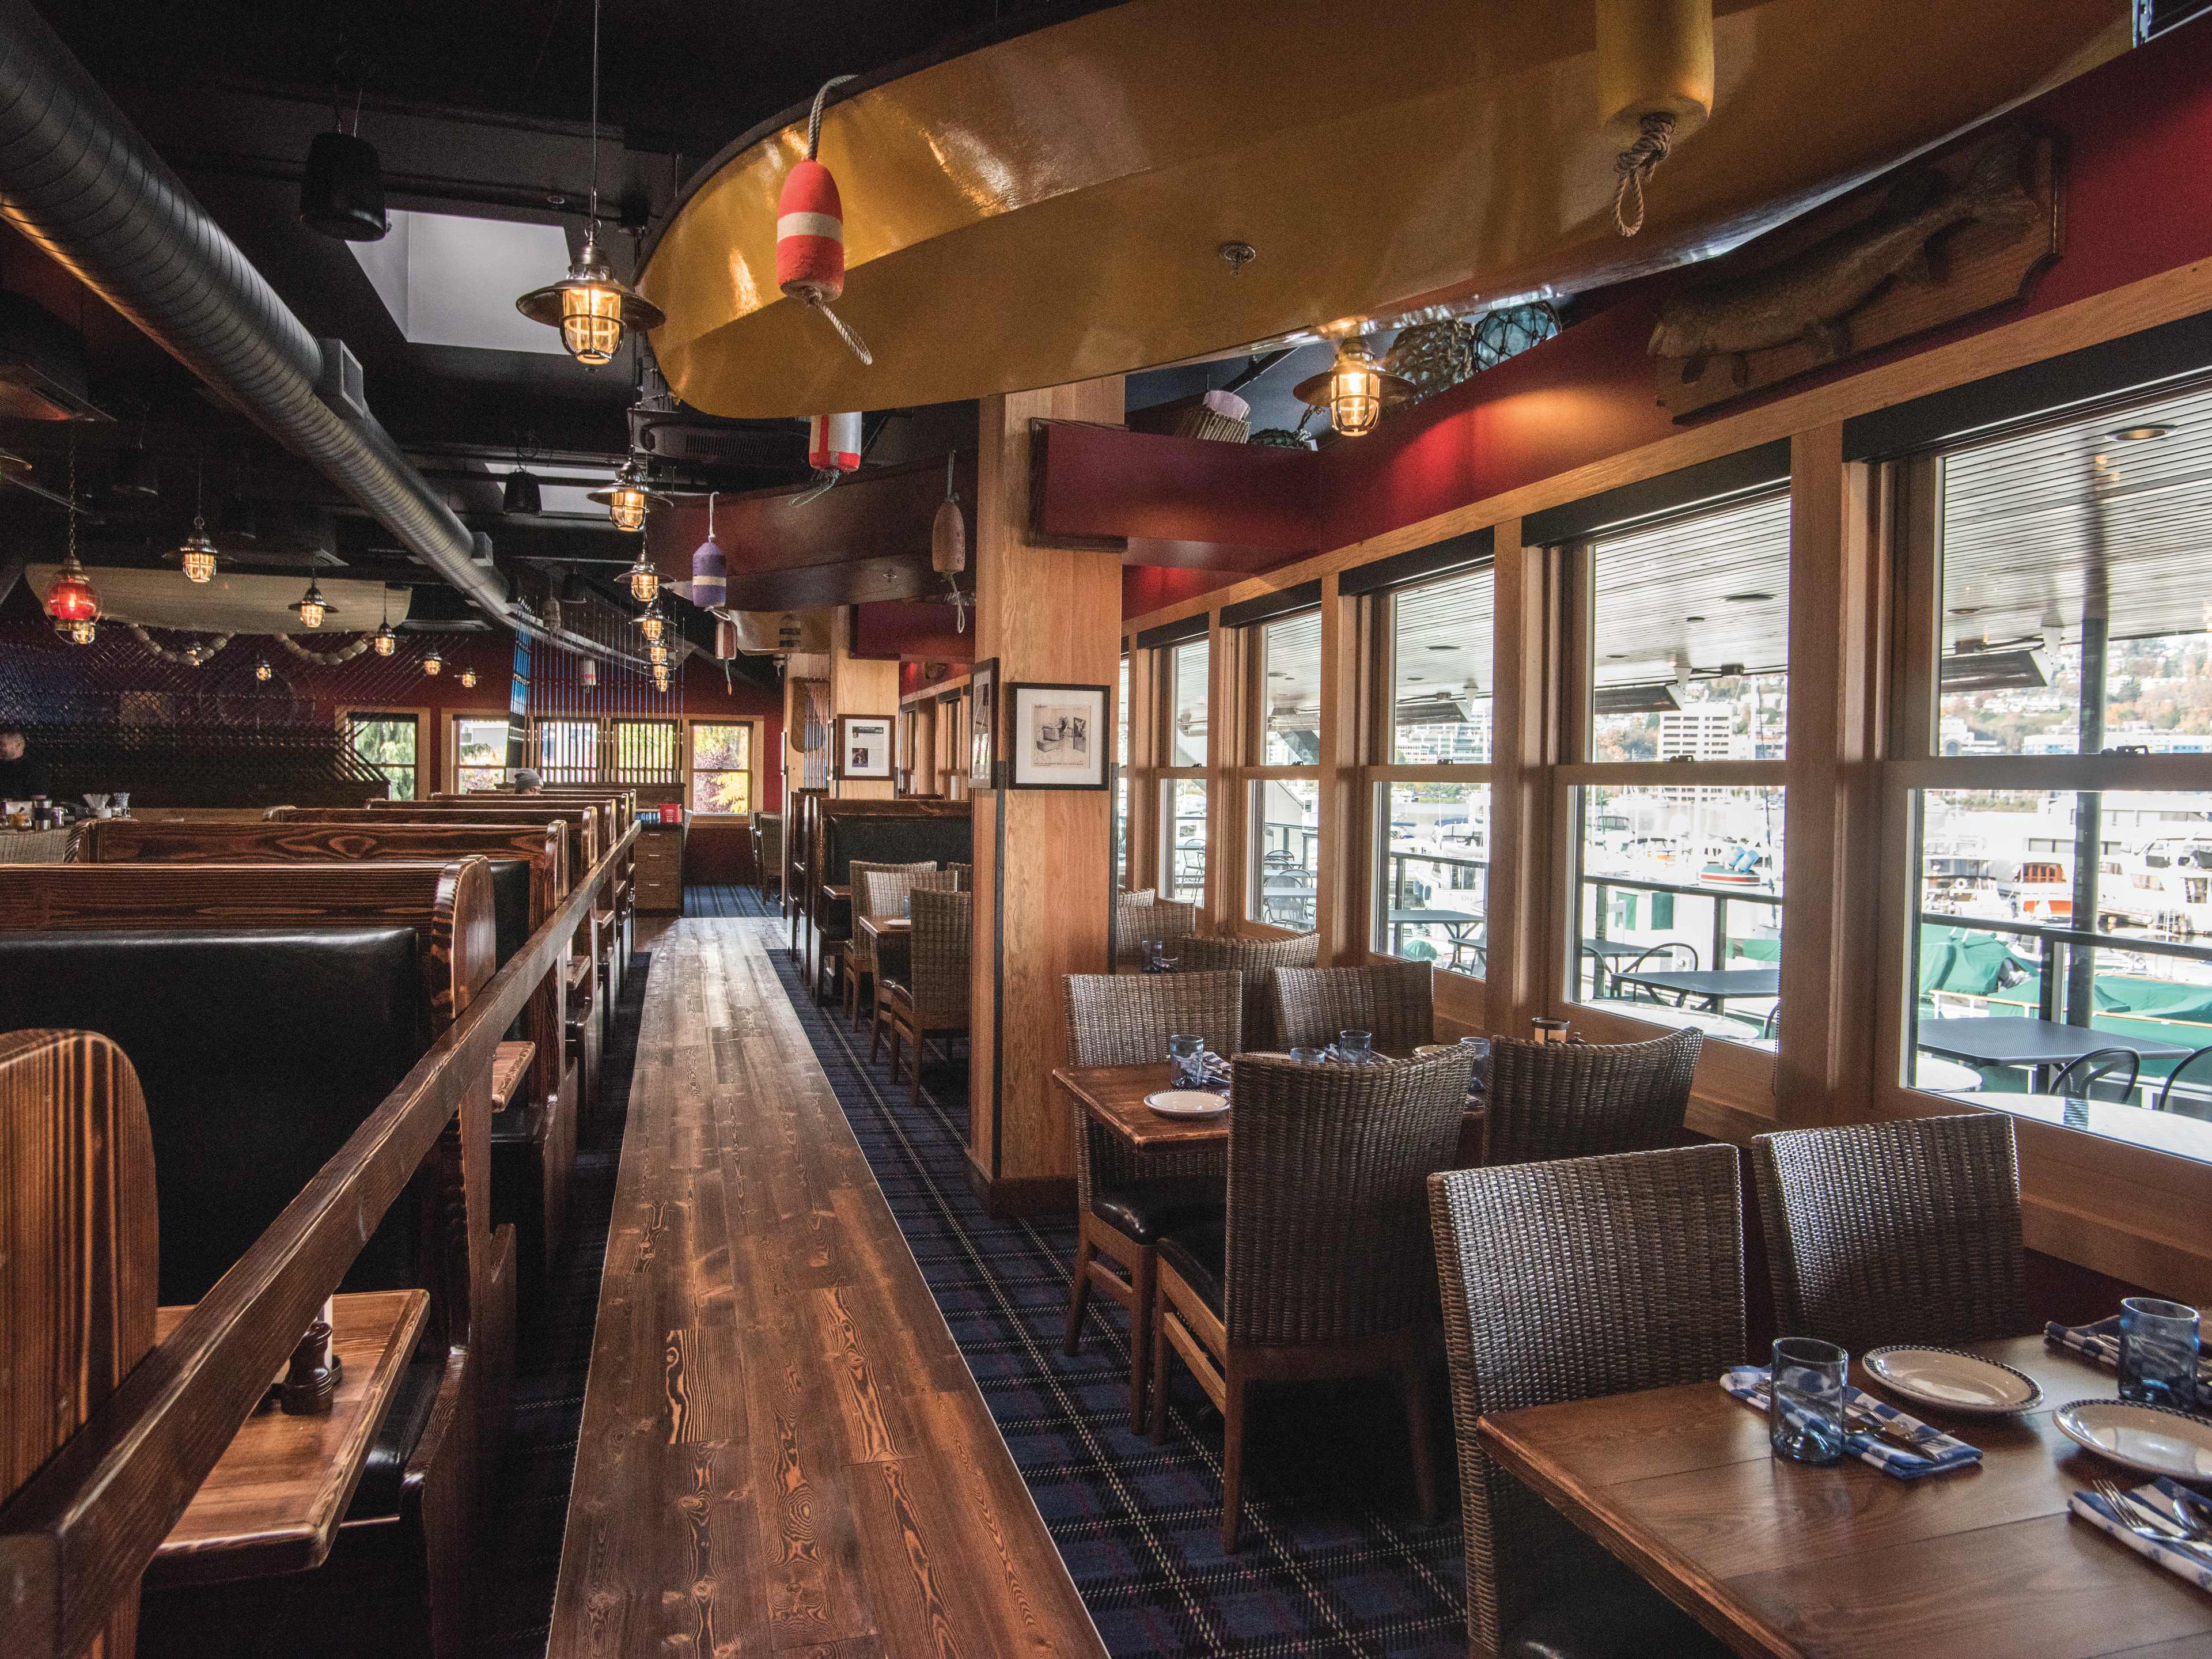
(589, 306)
(384, 641)
(433, 665)
(660, 676)
(313, 606)
(657, 654)
(262, 672)
(197, 554)
(652, 623)
(469, 678)
(644, 581)
(72, 605)
(631, 496)
(1355, 390)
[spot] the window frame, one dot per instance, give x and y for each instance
(1163, 778)
(425, 729)
(1246, 771)
(450, 770)
(755, 736)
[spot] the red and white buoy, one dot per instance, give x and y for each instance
(810, 232)
(833, 443)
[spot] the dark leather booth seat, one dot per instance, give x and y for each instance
(873, 838)
(259, 1051)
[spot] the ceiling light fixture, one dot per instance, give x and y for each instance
(469, 678)
(519, 496)
(657, 654)
(197, 556)
(644, 581)
(652, 623)
(262, 672)
(313, 606)
(342, 191)
(384, 641)
(433, 665)
(2135, 435)
(1354, 389)
(628, 498)
(660, 677)
(591, 308)
(71, 602)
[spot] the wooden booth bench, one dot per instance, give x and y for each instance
(872, 832)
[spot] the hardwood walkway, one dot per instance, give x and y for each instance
(782, 1449)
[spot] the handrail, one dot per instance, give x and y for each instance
(81, 1534)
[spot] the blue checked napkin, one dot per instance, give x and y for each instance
(2101, 1342)
(1942, 1451)
(2193, 1562)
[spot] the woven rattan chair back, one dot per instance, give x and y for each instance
(938, 959)
(769, 871)
(1140, 916)
(1907, 1231)
(1584, 1099)
(1329, 1228)
(880, 892)
(1392, 999)
(1257, 959)
(1126, 1020)
(1566, 1280)
(964, 877)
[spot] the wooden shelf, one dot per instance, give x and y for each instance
(509, 1066)
(273, 1502)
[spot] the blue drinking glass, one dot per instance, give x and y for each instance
(1357, 1047)
(1187, 1058)
(1805, 1418)
(2157, 1352)
(1148, 955)
(1478, 1079)
(1309, 1056)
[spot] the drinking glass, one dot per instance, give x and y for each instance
(2157, 1352)
(1477, 1079)
(1805, 1418)
(1167, 956)
(1358, 1047)
(1309, 1056)
(1148, 953)
(1187, 1055)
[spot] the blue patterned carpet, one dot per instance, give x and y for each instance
(1334, 1561)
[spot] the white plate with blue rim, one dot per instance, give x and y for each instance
(2149, 1439)
(1952, 1380)
(1187, 1103)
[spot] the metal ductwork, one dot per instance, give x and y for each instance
(77, 179)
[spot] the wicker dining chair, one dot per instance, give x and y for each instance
(1257, 959)
(933, 1000)
(883, 893)
(1125, 1200)
(1320, 1265)
(1140, 916)
(841, 961)
(1392, 999)
(1548, 1100)
(1567, 1280)
(964, 877)
(1907, 1231)
(768, 855)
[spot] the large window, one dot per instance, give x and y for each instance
(1283, 859)
(722, 766)
(2057, 704)
(1121, 777)
(1432, 803)
(1184, 828)
(1677, 805)
(568, 750)
(479, 752)
(390, 744)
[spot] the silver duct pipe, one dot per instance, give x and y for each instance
(77, 179)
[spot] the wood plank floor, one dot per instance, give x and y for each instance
(782, 1449)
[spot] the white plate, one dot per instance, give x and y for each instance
(1953, 1382)
(1187, 1103)
(2149, 1439)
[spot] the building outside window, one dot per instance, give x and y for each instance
(648, 751)
(389, 742)
(479, 752)
(1186, 669)
(1432, 801)
(2055, 707)
(1677, 800)
(1283, 863)
(568, 750)
(723, 766)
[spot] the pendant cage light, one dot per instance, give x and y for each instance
(660, 676)
(1355, 390)
(434, 664)
(469, 678)
(652, 623)
(628, 498)
(519, 496)
(384, 641)
(196, 554)
(71, 603)
(81, 632)
(657, 654)
(262, 672)
(592, 310)
(312, 607)
(644, 581)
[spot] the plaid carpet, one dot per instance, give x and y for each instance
(1334, 1561)
(720, 902)
(531, 1501)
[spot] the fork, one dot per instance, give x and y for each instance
(2161, 1525)
(1859, 1417)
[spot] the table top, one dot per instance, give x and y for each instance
(1115, 1095)
(1713, 982)
(837, 891)
(1800, 1563)
(879, 927)
(273, 1501)
(1613, 950)
(1994, 1040)
(1440, 918)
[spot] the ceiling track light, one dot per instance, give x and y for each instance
(592, 310)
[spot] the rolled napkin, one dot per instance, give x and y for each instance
(2100, 1343)
(1217, 1073)
(1942, 1451)
(2190, 1561)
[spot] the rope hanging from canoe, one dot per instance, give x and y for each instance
(1635, 165)
(191, 656)
(810, 231)
(323, 658)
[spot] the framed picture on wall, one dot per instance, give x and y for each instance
(1058, 736)
(983, 723)
(864, 747)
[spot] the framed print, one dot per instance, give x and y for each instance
(983, 724)
(864, 746)
(1058, 736)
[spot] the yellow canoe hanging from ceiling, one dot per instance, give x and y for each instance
(1053, 207)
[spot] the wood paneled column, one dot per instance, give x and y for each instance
(859, 685)
(1043, 857)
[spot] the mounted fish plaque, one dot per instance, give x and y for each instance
(1960, 233)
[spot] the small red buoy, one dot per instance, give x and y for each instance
(833, 442)
(809, 233)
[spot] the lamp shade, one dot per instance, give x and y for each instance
(644, 580)
(341, 192)
(710, 574)
(434, 664)
(519, 496)
(71, 598)
(590, 307)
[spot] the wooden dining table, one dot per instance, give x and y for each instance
(1788, 1561)
(1115, 1097)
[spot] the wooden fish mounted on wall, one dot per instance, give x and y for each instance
(1950, 237)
